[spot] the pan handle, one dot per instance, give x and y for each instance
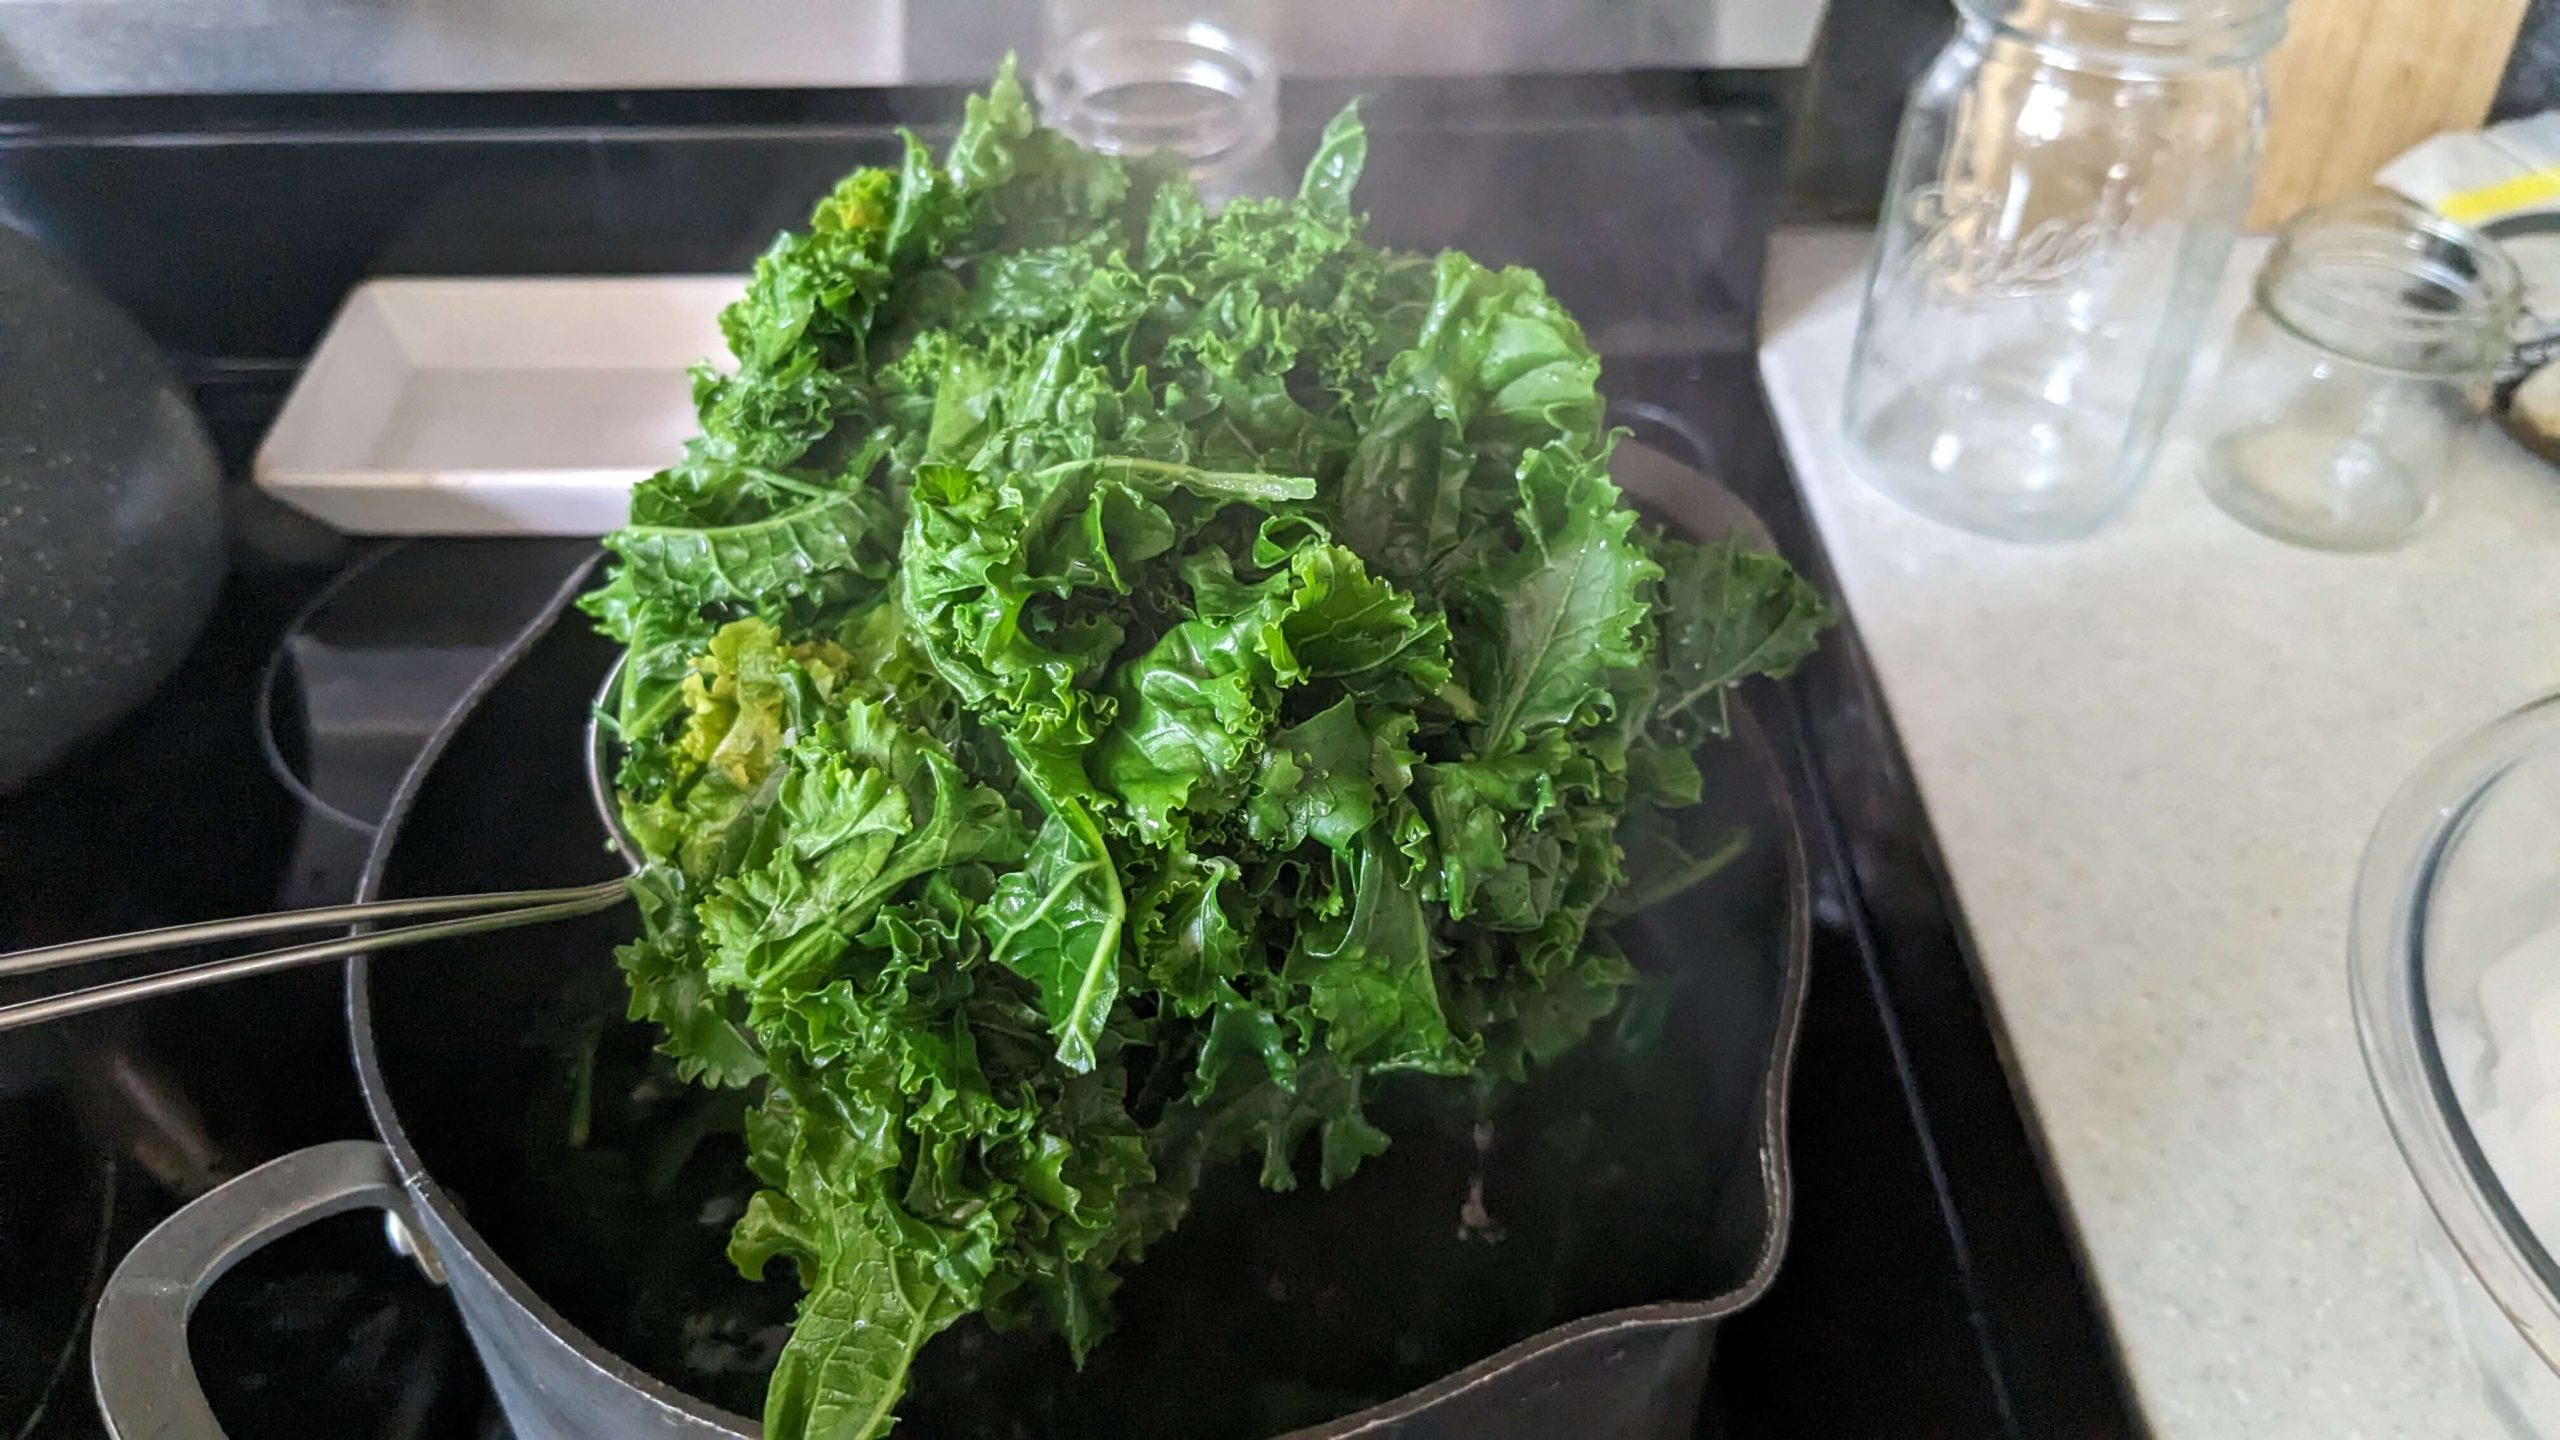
(138, 1361)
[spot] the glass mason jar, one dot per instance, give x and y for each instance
(2335, 415)
(2067, 184)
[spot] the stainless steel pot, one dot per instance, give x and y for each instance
(1630, 1373)
(553, 1382)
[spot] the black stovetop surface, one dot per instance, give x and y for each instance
(1931, 1287)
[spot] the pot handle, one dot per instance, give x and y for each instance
(138, 1361)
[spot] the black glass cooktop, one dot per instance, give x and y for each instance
(1930, 1287)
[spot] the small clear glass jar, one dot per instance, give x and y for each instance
(1134, 77)
(2335, 416)
(2064, 194)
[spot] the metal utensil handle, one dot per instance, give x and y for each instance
(138, 1362)
(585, 900)
(177, 937)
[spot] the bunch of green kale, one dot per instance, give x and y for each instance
(1108, 681)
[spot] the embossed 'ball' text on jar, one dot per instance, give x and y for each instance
(2064, 194)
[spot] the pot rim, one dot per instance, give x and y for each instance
(1773, 1167)
(422, 1186)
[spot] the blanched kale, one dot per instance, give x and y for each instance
(1107, 682)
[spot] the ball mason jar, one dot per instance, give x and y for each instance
(2063, 196)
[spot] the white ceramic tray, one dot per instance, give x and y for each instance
(494, 407)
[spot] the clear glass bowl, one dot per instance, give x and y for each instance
(2455, 970)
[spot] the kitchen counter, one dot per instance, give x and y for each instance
(2151, 760)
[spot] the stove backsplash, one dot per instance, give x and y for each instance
(1850, 104)
(279, 205)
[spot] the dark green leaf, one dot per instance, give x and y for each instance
(1335, 168)
(1565, 610)
(836, 547)
(1369, 977)
(1056, 922)
(1727, 614)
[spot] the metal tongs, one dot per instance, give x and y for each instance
(472, 915)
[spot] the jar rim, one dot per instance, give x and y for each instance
(2195, 32)
(2380, 233)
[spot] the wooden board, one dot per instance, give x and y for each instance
(2358, 81)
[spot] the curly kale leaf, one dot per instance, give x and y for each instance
(1109, 681)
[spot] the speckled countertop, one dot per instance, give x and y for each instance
(2151, 759)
